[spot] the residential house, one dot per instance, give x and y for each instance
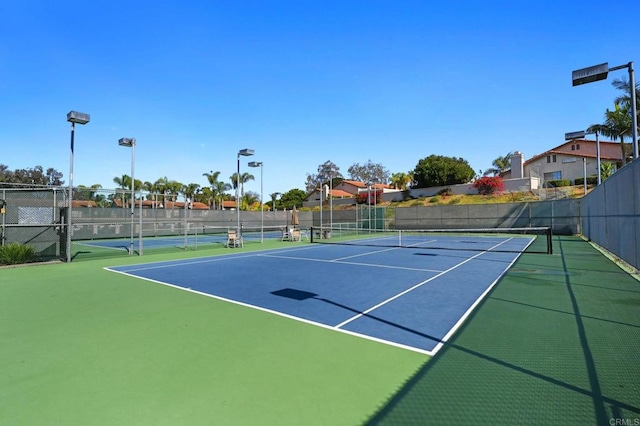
(343, 193)
(567, 161)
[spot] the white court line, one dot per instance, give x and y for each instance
(373, 308)
(364, 254)
(372, 265)
(206, 259)
(282, 314)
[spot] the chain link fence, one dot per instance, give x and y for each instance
(37, 217)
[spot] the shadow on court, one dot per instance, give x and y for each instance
(564, 352)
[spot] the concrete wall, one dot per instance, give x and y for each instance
(510, 185)
(561, 215)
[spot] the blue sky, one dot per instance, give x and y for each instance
(300, 82)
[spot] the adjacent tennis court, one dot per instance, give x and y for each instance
(190, 238)
(419, 295)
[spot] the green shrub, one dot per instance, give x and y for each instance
(445, 192)
(15, 253)
(558, 182)
(433, 200)
(591, 180)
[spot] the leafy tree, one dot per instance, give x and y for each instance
(251, 201)
(293, 197)
(500, 165)
(369, 172)
(89, 194)
(328, 173)
(35, 176)
(437, 170)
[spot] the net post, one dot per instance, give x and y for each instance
(312, 234)
(549, 241)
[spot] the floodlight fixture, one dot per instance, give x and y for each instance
(130, 142)
(78, 117)
(590, 74)
(574, 135)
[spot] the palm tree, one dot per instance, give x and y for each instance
(123, 182)
(401, 180)
(173, 188)
(606, 170)
(190, 191)
(625, 99)
(219, 191)
(212, 178)
(161, 186)
(244, 178)
(205, 196)
(500, 165)
(617, 125)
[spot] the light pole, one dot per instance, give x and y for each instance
(245, 153)
(73, 117)
(600, 72)
(259, 164)
(131, 143)
(581, 134)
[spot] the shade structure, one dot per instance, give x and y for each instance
(295, 221)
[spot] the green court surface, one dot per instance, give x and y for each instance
(557, 341)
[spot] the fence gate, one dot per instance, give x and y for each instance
(34, 217)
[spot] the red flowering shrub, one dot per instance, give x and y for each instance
(375, 196)
(488, 185)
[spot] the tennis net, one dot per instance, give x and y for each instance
(531, 239)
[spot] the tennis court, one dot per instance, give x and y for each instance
(191, 238)
(421, 293)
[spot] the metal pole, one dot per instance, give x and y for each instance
(321, 196)
(598, 158)
(584, 170)
(140, 227)
(133, 194)
(70, 199)
(238, 197)
(634, 113)
(261, 205)
(331, 199)
(369, 202)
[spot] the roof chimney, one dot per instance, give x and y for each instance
(517, 165)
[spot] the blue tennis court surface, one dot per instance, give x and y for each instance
(414, 298)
